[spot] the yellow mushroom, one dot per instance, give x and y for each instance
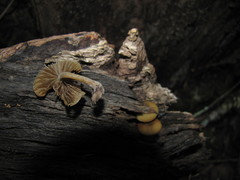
(56, 76)
(152, 105)
(149, 116)
(151, 128)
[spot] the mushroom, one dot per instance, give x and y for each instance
(149, 116)
(58, 77)
(151, 128)
(146, 117)
(152, 105)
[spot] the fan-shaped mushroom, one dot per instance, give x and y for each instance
(151, 128)
(56, 76)
(149, 116)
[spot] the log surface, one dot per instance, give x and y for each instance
(43, 139)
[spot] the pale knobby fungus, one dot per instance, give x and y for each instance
(149, 125)
(58, 77)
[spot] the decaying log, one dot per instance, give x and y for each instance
(133, 66)
(42, 138)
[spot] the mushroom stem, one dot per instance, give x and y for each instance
(97, 87)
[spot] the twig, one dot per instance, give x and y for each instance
(206, 108)
(6, 9)
(215, 161)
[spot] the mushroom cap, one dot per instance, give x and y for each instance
(148, 117)
(151, 128)
(47, 79)
(152, 105)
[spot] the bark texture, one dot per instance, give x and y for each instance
(42, 138)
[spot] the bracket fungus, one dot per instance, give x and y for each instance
(149, 116)
(58, 76)
(151, 128)
(149, 124)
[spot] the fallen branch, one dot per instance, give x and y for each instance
(43, 138)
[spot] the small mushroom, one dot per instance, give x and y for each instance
(152, 105)
(56, 76)
(146, 117)
(149, 116)
(151, 128)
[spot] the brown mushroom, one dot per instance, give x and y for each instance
(56, 76)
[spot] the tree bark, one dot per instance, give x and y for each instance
(42, 138)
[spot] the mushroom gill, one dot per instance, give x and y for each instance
(56, 76)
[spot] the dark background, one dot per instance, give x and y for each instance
(193, 44)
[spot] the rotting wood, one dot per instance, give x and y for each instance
(42, 138)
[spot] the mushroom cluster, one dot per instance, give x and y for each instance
(148, 124)
(60, 77)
